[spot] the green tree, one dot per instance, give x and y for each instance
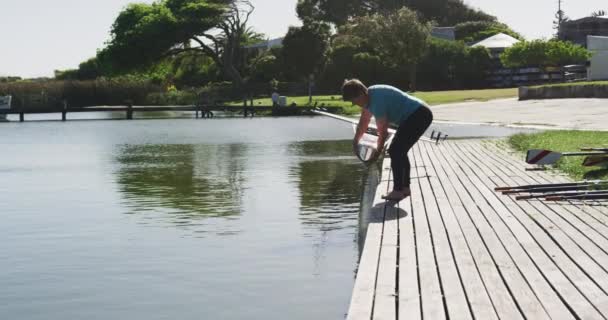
(265, 67)
(144, 34)
(305, 49)
(474, 31)
(340, 12)
(453, 65)
(540, 53)
(192, 69)
(333, 11)
(400, 39)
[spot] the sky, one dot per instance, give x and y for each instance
(40, 36)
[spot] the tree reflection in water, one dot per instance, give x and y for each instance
(330, 183)
(191, 182)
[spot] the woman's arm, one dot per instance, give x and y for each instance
(382, 125)
(364, 121)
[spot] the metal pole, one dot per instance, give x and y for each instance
(550, 189)
(533, 186)
(64, 112)
(581, 197)
(561, 194)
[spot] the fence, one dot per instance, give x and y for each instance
(517, 77)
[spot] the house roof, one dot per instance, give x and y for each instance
(587, 19)
(266, 44)
(446, 33)
(498, 41)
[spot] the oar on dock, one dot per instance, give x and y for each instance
(556, 185)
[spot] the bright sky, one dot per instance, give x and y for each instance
(40, 36)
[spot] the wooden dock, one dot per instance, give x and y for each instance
(459, 250)
(200, 111)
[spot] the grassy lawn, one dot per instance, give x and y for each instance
(570, 84)
(442, 97)
(566, 141)
(431, 97)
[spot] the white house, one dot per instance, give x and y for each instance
(497, 43)
(265, 45)
(598, 67)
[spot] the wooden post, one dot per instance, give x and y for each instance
(245, 106)
(64, 112)
(21, 116)
(130, 111)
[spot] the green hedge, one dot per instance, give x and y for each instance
(540, 53)
(50, 94)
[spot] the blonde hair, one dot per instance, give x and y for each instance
(352, 88)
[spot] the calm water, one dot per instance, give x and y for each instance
(181, 218)
(178, 219)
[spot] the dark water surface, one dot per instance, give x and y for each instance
(181, 218)
(178, 219)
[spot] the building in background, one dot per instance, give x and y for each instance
(497, 44)
(265, 45)
(445, 33)
(598, 64)
(577, 30)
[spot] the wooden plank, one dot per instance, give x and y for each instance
(385, 306)
(437, 206)
(583, 252)
(431, 294)
(500, 268)
(473, 256)
(578, 217)
(586, 211)
(515, 160)
(538, 244)
(362, 301)
(409, 288)
(483, 215)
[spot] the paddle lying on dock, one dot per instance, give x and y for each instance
(374, 129)
(595, 149)
(543, 157)
(596, 161)
(600, 196)
(563, 186)
(552, 189)
(562, 194)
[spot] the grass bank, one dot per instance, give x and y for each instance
(565, 141)
(574, 84)
(432, 98)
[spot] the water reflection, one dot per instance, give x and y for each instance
(330, 181)
(190, 182)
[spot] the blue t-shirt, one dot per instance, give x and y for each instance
(391, 103)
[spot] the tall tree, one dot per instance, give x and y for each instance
(305, 48)
(339, 12)
(400, 39)
(143, 34)
(333, 11)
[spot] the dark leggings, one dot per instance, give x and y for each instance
(410, 130)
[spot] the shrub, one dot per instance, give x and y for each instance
(50, 94)
(176, 98)
(475, 31)
(539, 53)
(453, 65)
